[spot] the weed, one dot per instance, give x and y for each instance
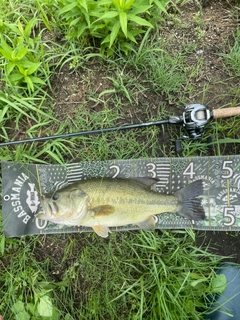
(27, 294)
(114, 23)
(135, 275)
(232, 58)
(168, 277)
(21, 55)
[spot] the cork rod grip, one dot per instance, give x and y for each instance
(227, 112)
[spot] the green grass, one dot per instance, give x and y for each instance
(132, 275)
(150, 68)
(232, 62)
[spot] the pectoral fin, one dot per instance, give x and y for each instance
(148, 224)
(103, 210)
(102, 231)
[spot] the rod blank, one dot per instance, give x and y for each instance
(219, 113)
(85, 133)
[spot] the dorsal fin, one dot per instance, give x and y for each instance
(147, 181)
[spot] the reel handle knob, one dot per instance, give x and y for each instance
(178, 146)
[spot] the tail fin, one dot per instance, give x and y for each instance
(191, 207)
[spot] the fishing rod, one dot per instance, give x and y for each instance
(194, 119)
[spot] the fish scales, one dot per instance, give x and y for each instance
(104, 203)
(121, 192)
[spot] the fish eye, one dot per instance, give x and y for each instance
(55, 196)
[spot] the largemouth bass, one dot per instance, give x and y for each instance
(68, 206)
(104, 203)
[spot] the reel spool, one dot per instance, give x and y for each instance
(194, 119)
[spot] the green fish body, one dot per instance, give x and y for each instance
(118, 202)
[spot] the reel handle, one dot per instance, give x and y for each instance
(227, 112)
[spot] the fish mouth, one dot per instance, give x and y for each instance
(47, 206)
(53, 207)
